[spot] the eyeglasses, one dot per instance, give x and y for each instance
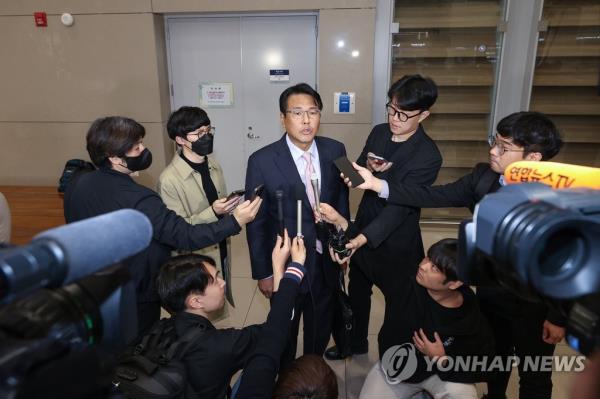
(299, 113)
(203, 131)
(401, 115)
(501, 146)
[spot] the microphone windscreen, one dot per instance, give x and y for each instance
(300, 191)
(92, 244)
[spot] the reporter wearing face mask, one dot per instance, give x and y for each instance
(193, 185)
(115, 145)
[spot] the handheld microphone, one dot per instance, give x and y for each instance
(314, 180)
(64, 254)
(553, 174)
(279, 197)
(300, 192)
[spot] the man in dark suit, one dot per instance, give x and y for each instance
(400, 151)
(520, 328)
(286, 165)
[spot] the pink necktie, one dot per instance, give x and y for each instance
(310, 192)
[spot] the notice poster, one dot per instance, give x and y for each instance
(216, 95)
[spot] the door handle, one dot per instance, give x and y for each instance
(251, 135)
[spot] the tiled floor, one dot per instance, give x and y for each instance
(252, 307)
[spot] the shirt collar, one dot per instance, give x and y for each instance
(297, 152)
(502, 180)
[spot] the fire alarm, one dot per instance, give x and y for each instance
(40, 19)
(67, 19)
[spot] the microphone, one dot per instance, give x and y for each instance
(300, 192)
(553, 174)
(63, 254)
(314, 180)
(279, 197)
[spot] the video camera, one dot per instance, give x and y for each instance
(55, 339)
(543, 245)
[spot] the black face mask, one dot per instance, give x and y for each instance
(141, 162)
(204, 145)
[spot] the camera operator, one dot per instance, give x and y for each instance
(115, 145)
(520, 327)
(191, 289)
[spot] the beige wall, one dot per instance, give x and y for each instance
(55, 81)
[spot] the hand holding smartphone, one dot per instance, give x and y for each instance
(376, 158)
(257, 192)
(236, 193)
(344, 165)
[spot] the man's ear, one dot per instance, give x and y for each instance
(455, 284)
(533, 156)
(180, 140)
(194, 302)
(423, 115)
(282, 120)
(115, 161)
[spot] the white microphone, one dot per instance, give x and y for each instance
(300, 192)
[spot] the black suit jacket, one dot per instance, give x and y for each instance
(274, 167)
(106, 190)
(393, 233)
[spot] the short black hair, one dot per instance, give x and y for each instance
(186, 119)
(112, 136)
(533, 131)
(443, 255)
(180, 276)
(300, 88)
(413, 92)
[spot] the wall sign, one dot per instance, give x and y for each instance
(216, 95)
(279, 75)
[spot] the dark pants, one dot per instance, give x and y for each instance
(360, 289)
(315, 305)
(519, 332)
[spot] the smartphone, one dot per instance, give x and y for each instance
(377, 159)
(236, 193)
(257, 191)
(344, 165)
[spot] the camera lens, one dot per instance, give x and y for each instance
(562, 252)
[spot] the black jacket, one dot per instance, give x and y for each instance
(219, 353)
(106, 190)
(463, 330)
(467, 192)
(393, 231)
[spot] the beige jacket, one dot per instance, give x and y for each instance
(180, 188)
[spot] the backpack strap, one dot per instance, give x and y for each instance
(485, 183)
(179, 348)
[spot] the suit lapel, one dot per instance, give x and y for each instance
(325, 163)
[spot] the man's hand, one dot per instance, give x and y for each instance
(266, 286)
(246, 211)
(279, 257)
(330, 215)
(357, 242)
(427, 347)
(343, 262)
(298, 250)
(371, 182)
(377, 166)
(223, 207)
(551, 333)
